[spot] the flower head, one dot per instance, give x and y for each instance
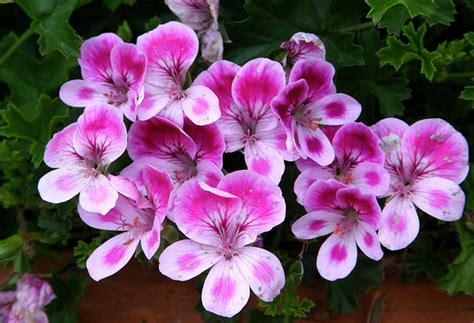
(426, 162)
(302, 46)
(359, 162)
(171, 49)
(247, 121)
(27, 302)
(141, 223)
(112, 72)
(81, 154)
(308, 101)
(350, 216)
(220, 224)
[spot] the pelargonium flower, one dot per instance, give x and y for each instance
(201, 15)
(247, 121)
(426, 162)
(171, 49)
(81, 154)
(141, 224)
(302, 46)
(359, 162)
(308, 101)
(220, 224)
(191, 152)
(112, 72)
(27, 303)
(351, 216)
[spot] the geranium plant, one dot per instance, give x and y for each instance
(225, 140)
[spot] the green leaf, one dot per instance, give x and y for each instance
(341, 295)
(444, 13)
(170, 234)
(114, 4)
(152, 23)
(36, 129)
(10, 247)
(83, 250)
(68, 293)
(398, 53)
(461, 271)
(124, 32)
(467, 93)
(50, 22)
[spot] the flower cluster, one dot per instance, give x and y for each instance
(270, 111)
(27, 302)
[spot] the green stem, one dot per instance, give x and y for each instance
(446, 75)
(27, 34)
(365, 25)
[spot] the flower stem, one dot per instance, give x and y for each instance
(446, 75)
(27, 34)
(365, 25)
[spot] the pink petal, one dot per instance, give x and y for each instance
(367, 240)
(196, 14)
(128, 65)
(264, 160)
(276, 138)
(125, 187)
(316, 224)
(400, 224)
(315, 145)
(111, 256)
(208, 173)
(263, 206)
(59, 151)
(79, 93)
(440, 198)
(356, 143)
(435, 148)
(134, 171)
(337, 256)
(390, 126)
(232, 130)
(99, 196)
(100, 135)
(155, 101)
(61, 185)
(159, 187)
(288, 100)
(256, 84)
(95, 57)
(186, 259)
(365, 205)
(174, 112)
(209, 142)
(218, 78)
(201, 214)
(336, 109)
(225, 291)
(371, 178)
(304, 164)
(201, 105)
(303, 46)
(318, 74)
(150, 241)
(171, 48)
(212, 48)
(308, 177)
(159, 138)
(322, 196)
(262, 271)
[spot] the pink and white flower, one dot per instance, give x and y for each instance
(351, 217)
(140, 223)
(247, 121)
(426, 162)
(308, 101)
(81, 154)
(191, 152)
(112, 73)
(220, 224)
(171, 49)
(303, 46)
(27, 303)
(201, 15)
(359, 162)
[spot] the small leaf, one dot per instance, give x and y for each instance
(124, 32)
(10, 247)
(170, 234)
(114, 4)
(68, 293)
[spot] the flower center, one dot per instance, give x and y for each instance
(117, 97)
(303, 117)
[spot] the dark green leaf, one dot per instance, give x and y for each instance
(10, 247)
(125, 32)
(114, 4)
(68, 293)
(423, 258)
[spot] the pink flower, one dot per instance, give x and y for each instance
(359, 162)
(27, 302)
(81, 154)
(201, 15)
(302, 46)
(220, 224)
(171, 49)
(351, 217)
(426, 162)
(140, 223)
(112, 72)
(247, 121)
(310, 100)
